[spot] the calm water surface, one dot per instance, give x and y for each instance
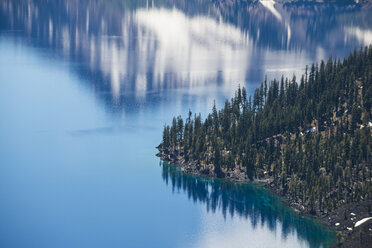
(86, 87)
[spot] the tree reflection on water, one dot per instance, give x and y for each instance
(248, 200)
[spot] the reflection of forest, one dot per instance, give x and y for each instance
(311, 24)
(246, 200)
(123, 59)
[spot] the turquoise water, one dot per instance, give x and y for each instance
(86, 87)
(248, 201)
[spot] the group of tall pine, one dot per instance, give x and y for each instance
(313, 137)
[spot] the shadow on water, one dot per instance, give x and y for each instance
(247, 200)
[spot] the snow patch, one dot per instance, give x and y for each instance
(269, 4)
(358, 223)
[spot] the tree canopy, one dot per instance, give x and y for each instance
(312, 135)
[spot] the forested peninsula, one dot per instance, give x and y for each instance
(308, 139)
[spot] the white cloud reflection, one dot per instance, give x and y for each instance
(175, 49)
(133, 52)
(364, 36)
(195, 49)
(238, 232)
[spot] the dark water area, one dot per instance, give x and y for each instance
(86, 87)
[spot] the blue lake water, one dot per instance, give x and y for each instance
(86, 87)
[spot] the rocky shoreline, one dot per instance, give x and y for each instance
(342, 220)
(193, 168)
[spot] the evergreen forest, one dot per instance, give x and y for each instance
(311, 135)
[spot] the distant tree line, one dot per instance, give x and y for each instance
(312, 136)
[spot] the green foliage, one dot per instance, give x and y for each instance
(312, 137)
